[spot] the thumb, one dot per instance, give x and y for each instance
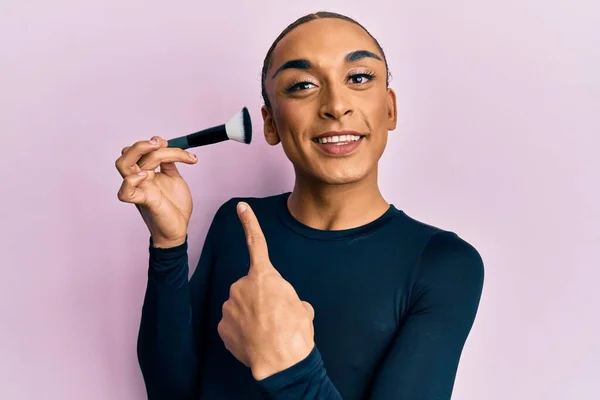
(255, 239)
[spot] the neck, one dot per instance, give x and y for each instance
(336, 207)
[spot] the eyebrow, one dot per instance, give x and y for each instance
(305, 64)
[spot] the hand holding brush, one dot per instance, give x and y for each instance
(163, 197)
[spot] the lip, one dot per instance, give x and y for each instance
(339, 150)
(337, 133)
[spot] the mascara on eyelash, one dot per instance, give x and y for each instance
(370, 75)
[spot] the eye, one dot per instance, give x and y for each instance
(304, 85)
(361, 78)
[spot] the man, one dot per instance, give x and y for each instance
(327, 292)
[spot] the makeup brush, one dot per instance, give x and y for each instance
(238, 128)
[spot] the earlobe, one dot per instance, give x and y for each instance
(270, 130)
(392, 110)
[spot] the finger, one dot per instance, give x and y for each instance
(129, 191)
(255, 239)
(152, 160)
(169, 169)
(127, 163)
(152, 138)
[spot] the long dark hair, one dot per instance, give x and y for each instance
(298, 22)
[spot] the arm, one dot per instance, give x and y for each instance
(171, 328)
(423, 359)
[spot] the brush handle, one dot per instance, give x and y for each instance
(180, 142)
(204, 137)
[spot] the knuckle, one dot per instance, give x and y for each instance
(148, 160)
(261, 276)
(138, 146)
(174, 154)
(127, 184)
(233, 290)
(309, 307)
(123, 190)
(254, 238)
(225, 308)
(309, 310)
(162, 142)
(121, 196)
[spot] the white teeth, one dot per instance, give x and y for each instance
(338, 139)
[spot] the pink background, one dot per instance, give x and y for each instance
(497, 140)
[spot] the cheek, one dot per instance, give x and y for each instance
(292, 123)
(291, 116)
(289, 123)
(377, 110)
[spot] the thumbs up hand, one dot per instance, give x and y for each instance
(265, 325)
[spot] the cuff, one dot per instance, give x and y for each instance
(162, 259)
(297, 373)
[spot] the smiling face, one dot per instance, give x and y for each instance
(327, 77)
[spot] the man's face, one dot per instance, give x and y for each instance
(326, 92)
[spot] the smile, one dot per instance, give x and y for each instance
(338, 139)
(339, 146)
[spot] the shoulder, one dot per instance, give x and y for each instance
(449, 275)
(444, 255)
(447, 253)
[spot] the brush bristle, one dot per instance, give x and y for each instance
(239, 127)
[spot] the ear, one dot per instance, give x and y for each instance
(392, 110)
(270, 130)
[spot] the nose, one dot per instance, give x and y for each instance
(335, 103)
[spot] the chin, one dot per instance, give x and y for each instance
(342, 176)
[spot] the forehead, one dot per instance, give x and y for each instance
(325, 40)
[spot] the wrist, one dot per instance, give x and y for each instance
(162, 243)
(268, 366)
(301, 373)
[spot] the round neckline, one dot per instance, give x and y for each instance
(291, 222)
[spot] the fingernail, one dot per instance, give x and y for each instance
(154, 141)
(241, 207)
(192, 155)
(142, 173)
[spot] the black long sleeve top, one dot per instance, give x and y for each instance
(394, 302)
